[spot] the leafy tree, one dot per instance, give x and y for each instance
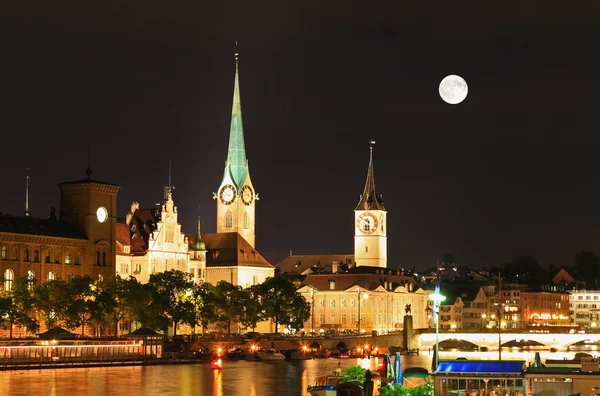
(115, 299)
(282, 303)
(207, 310)
(169, 290)
(15, 307)
(229, 305)
(50, 300)
(252, 307)
(82, 304)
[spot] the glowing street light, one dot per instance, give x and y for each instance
(437, 298)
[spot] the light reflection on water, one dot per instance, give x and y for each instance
(236, 378)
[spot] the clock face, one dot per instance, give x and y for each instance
(227, 194)
(101, 214)
(367, 223)
(247, 195)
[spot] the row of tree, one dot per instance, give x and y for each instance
(168, 299)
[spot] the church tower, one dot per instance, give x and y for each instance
(370, 238)
(236, 199)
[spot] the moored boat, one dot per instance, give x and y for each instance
(269, 354)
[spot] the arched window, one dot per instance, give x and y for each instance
(98, 258)
(30, 278)
(51, 276)
(9, 278)
(26, 258)
(228, 220)
(104, 259)
(36, 256)
(246, 220)
(3, 252)
(167, 264)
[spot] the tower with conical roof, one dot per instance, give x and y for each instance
(370, 216)
(236, 198)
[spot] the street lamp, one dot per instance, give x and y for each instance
(437, 298)
(312, 316)
(483, 316)
(365, 296)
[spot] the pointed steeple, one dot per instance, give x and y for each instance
(370, 199)
(236, 154)
(199, 243)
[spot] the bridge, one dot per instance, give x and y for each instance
(558, 341)
(420, 339)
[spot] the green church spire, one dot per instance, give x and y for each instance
(236, 154)
(199, 243)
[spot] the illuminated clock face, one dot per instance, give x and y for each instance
(367, 223)
(101, 214)
(247, 195)
(227, 194)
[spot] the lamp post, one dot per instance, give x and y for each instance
(358, 299)
(312, 315)
(437, 298)
(365, 296)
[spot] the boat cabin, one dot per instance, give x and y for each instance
(479, 378)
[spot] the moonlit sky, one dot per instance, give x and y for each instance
(512, 170)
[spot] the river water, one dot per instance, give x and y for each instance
(239, 378)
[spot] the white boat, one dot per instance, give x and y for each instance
(269, 354)
(325, 385)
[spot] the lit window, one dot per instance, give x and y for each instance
(3, 252)
(67, 259)
(51, 276)
(30, 279)
(9, 278)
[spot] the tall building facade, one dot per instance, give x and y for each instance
(236, 198)
(370, 224)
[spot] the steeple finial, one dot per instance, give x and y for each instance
(198, 225)
(370, 199)
(88, 170)
(26, 192)
(236, 154)
(168, 190)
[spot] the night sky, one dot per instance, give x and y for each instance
(512, 170)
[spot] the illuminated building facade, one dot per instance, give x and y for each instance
(546, 306)
(584, 308)
(378, 300)
(79, 241)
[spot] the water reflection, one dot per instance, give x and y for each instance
(235, 379)
(217, 383)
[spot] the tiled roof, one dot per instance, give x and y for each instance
(345, 281)
(298, 264)
(137, 233)
(230, 249)
(35, 226)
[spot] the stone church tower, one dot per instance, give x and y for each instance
(370, 216)
(236, 198)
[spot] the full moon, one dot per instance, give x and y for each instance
(453, 89)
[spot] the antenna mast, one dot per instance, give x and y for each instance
(26, 192)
